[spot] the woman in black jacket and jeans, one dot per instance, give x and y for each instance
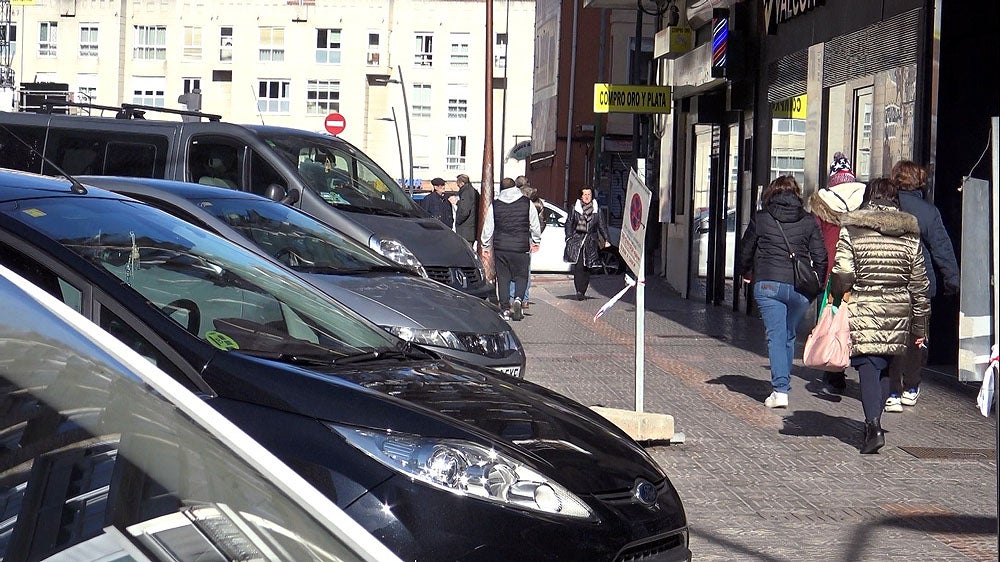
(765, 260)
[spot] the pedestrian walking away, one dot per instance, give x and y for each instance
(467, 210)
(881, 266)
(905, 370)
(532, 194)
(781, 228)
(843, 193)
(586, 236)
(439, 206)
(511, 232)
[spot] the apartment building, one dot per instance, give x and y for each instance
(292, 63)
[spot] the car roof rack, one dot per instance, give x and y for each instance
(128, 110)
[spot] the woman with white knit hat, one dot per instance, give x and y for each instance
(843, 193)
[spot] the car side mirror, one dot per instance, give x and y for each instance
(275, 192)
(291, 198)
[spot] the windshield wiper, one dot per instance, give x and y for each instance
(366, 356)
(290, 358)
(331, 270)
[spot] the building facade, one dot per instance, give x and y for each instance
(293, 63)
(772, 88)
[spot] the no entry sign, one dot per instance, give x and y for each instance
(335, 123)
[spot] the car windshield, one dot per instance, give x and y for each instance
(342, 175)
(220, 292)
(295, 238)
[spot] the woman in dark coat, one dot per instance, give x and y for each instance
(765, 260)
(586, 235)
(880, 262)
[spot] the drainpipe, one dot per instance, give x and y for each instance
(572, 91)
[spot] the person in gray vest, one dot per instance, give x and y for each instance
(511, 232)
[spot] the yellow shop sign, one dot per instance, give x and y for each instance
(623, 98)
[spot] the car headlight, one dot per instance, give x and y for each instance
(467, 469)
(495, 346)
(397, 252)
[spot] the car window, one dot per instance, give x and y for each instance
(42, 277)
(120, 329)
(341, 175)
(231, 298)
(214, 163)
(293, 237)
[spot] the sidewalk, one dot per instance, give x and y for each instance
(775, 485)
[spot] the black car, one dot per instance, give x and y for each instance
(425, 312)
(439, 461)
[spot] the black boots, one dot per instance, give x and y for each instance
(874, 437)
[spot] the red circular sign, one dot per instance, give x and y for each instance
(335, 123)
(635, 212)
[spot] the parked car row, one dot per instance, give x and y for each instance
(378, 375)
(438, 458)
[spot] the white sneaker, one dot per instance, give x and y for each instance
(893, 404)
(777, 400)
(909, 397)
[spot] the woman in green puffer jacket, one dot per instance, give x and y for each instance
(880, 263)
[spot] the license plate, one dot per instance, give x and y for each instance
(512, 371)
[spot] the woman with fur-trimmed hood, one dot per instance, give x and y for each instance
(880, 263)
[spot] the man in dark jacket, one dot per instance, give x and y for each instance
(438, 205)
(511, 232)
(938, 253)
(467, 210)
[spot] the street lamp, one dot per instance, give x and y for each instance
(399, 145)
(406, 110)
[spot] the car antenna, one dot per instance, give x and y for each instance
(75, 185)
(259, 112)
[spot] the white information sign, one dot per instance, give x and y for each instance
(632, 245)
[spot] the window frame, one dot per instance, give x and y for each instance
(49, 46)
(89, 48)
(149, 42)
(271, 43)
(332, 51)
(423, 48)
(282, 102)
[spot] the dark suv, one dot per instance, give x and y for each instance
(320, 174)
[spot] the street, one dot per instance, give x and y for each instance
(775, 485)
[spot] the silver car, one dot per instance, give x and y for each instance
(106, 457)
(452, 323)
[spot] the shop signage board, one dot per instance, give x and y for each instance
(791, 108)
(780, 11)
(625, 98)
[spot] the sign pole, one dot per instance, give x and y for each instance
(640, 336)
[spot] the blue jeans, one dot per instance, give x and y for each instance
(781, 309)
(527, 289)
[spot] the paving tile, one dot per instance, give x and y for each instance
(759, 484)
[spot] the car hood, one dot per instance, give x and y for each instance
(434, 244)
(560, 437)
(413, 302)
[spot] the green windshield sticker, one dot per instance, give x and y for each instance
(35, 213)
(221, 341)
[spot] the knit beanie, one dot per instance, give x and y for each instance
(840, 170)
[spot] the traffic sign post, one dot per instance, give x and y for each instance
(335, 123)
(633, 250)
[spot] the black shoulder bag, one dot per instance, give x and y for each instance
(805, 279)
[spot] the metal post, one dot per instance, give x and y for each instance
(399, 142)
(486, 186)
(409, 131)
